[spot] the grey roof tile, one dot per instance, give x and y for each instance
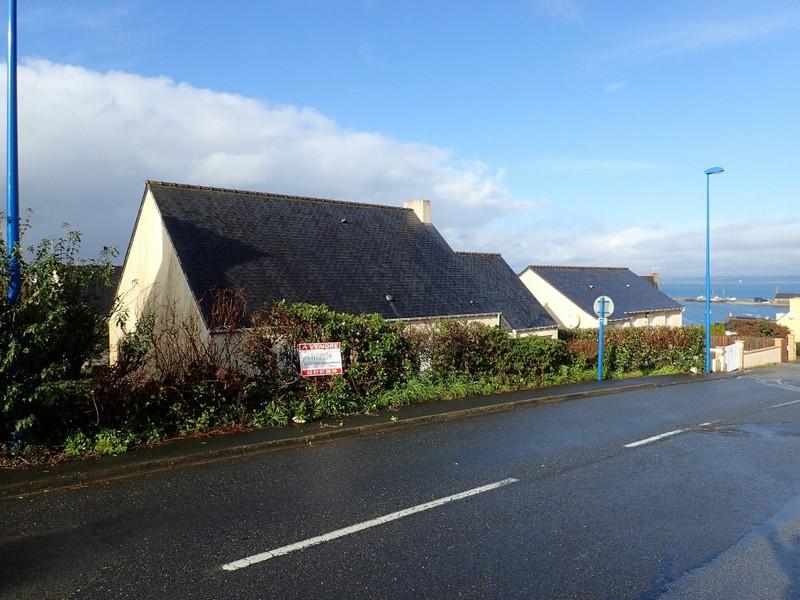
(502, 287)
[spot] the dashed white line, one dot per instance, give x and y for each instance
(654, 438)
(785, 403)
(661, 436)
(327, 537)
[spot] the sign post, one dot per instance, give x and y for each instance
(603, 308)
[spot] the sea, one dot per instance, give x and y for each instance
(742, 288)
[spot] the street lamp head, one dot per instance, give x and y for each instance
(714, 170)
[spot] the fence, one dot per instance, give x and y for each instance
(751, 352)
(750, 342)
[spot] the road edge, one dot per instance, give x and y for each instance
(51, 482)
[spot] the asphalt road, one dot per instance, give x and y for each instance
(582, 506)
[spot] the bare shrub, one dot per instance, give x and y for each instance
(183, 351)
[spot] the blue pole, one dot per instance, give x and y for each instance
(601, 339)
(12, 173)
(708, 274)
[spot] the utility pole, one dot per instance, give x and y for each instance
(12, 165)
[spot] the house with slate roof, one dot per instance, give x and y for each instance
(358, 258)
(568, 295)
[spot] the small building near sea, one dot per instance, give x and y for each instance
(784, 298)
(792, 318)
(189, 241)
(568, 293)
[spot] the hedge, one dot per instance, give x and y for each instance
(757, 328)
(640, 349)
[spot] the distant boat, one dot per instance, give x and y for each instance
(716, 299)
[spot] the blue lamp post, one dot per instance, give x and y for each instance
(12, 195)
(709, 173)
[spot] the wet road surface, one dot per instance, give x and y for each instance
(690, 491)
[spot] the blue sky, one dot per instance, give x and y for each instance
(563, 131)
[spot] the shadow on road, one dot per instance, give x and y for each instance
(788, 557)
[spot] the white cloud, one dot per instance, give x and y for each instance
(693, 36)
(88, 141)
(763, 247)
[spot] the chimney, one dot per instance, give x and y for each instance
(422, 208)
(656, 280)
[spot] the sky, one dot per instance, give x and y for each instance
(553, 131)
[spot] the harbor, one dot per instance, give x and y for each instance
(694, 310)
(731, 300)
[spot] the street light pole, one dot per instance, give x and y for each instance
(709, 173)
(12, 173)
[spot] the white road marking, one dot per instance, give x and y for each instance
(327, 537)
(661, 436)
(785, 403)
(780, 384)
(777, 383)
(655, 438)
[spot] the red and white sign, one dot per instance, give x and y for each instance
(324, 358)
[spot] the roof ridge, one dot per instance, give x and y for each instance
(272, 195)
(466, 253)
(578, 267)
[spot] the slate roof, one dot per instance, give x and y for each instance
(651, 279)
(631, 294)
(348, 256)
(504, 289)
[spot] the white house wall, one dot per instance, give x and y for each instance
(488, 320)
(670, 318)
(549, 333)
(152, 280)
(555, 303)
(792, 318)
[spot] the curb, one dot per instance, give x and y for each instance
(114, 472)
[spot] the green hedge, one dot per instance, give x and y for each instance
(47, 337)
(472, 350)
(640, 349)
(376, 356)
